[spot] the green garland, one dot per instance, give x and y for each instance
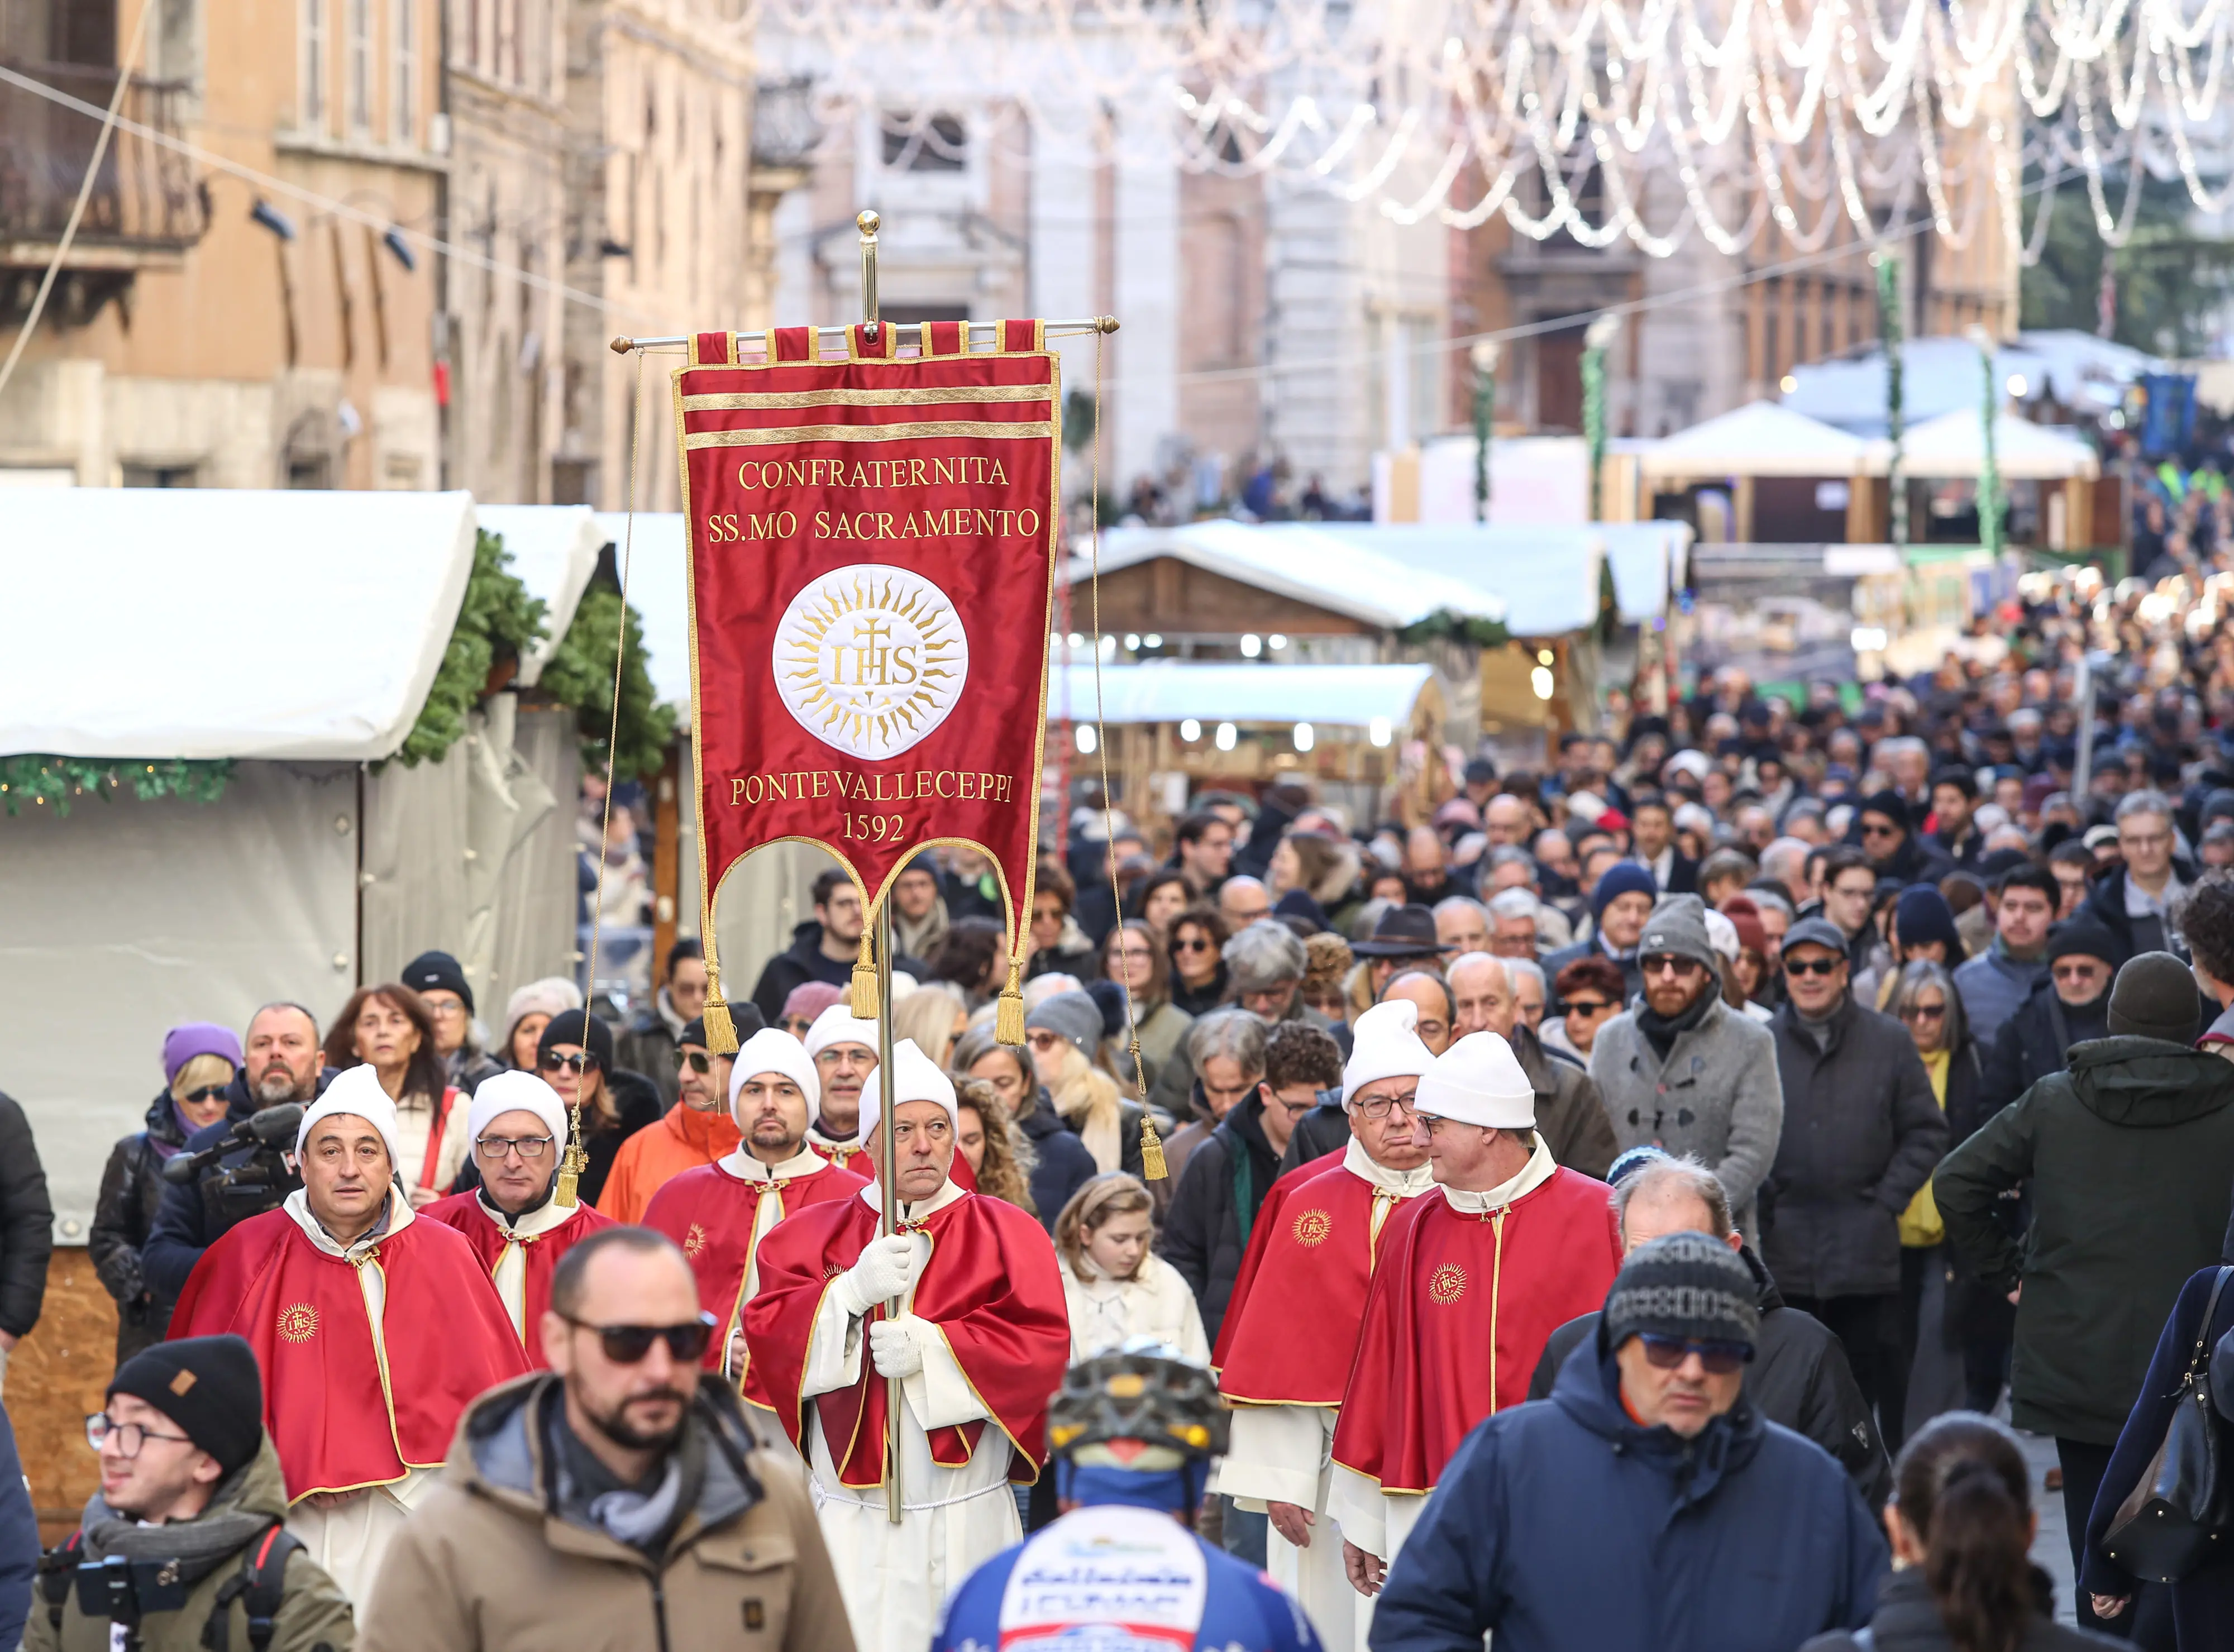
(580, 675)
(497, 616)
(1444, 626)
(36, 780)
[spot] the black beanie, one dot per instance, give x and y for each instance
(577, 1027)
(209, 1386)
(745, 1017)
(2155, 997)
(1688, 1286)
(2079, 936)
(438, 972)
(1889, 803)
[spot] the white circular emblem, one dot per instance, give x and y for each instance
(870, 659)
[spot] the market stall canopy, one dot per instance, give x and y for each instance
(554, 551)
(1941, 374)
(1540, 582)
(1759, 439)
(1954, 445)
(1649, 560)
(1169, 691)
(232, 623)
(659, 591)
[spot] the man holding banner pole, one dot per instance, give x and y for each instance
(873, 538)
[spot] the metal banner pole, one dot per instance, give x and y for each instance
(888, 1156)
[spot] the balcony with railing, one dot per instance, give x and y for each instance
(145, 208)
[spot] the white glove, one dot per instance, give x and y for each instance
(893, 1347)
(887, 1270)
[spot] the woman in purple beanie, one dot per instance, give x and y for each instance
(201, 1065)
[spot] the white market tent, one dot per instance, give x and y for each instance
(1954, 445)
(295, 633)
(554, 551)
(1760, 439)
(1161, 691)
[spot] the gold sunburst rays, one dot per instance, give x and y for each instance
(906, 652)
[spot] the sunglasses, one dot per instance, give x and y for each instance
(799, 1026)
(207, 1092)
(696, 1060)
(1720, 1359)
(628, 1344)
(555, 1062)
(1924, 1012)
(1664, 964)
(1880, 831)
(1042, 1040)
(1197, 944)
(1813, 966)
(1587, 1007)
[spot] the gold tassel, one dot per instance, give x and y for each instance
(1009, 1020)
(720, 1027)
(865, 979)
(571, 1163)
(1151, 1150)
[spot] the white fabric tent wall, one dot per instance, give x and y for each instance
(125, 917)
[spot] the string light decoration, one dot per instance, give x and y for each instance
(1650, 121)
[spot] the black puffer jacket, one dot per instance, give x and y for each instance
(1206, 1230)
(1862, 1132)
(1064, 1166)
(1798, 1377)
(123, 1216)
(27, 1223)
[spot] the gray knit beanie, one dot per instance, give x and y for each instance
(1687, 1286)
(2155, 997)
(1071, 1016)
(1678, 928)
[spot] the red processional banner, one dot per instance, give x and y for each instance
(872, 541)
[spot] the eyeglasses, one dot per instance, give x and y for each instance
(554, 1062)
(1587, 1007)
(1042, 1040)
(1813, 966)
(696, 1060)
(207, 1092)
(1199, 943)
(1381, 1106)
(492, 1149)
(129, 1436)
(628, 1344)
(2143, 840)
(1924, 1012)
(1720, 1359)
(1664, 964)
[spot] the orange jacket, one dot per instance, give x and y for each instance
(683, 1140)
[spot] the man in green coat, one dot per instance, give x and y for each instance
(188, 1517)
(2129, 1153)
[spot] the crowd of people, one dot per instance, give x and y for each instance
(1607, 1207)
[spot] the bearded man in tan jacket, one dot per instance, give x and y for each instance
(617, 1501)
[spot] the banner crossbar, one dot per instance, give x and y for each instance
(833, 338)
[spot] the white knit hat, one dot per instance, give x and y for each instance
(1385, 1045)
(916, 1077)
(1723, 935)
(1478, 1080)
(835, 1025)
(523, 1092)
(773, 1050)
(357, 1092)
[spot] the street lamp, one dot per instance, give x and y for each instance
(1484, 357)
(1989, 470)
(1597, 337)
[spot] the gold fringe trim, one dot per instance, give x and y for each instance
(1009, 1019)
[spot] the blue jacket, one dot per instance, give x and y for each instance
(19, 1540)
(1994, 986)
(1562, 1525)
(1241, 1607)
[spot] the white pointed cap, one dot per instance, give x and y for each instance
(1478, 1080)
(916, 1077)
(1385, 1044)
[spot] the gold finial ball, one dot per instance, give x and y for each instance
(867, 222)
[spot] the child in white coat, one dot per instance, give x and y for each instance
(1115, 1288)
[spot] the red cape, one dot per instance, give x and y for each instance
(1458, 1315)
(991, 1285)
(1260, 1235)
(465, 1212)
(340, 1420)
(1318, 1250)
(711, 1214)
